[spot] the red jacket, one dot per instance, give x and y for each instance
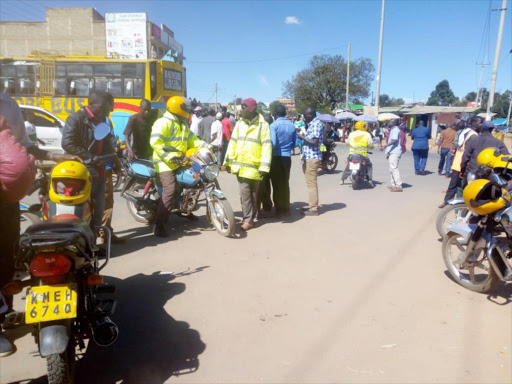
(17, 167)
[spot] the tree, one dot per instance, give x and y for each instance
(471, 96)
(386, 101)
(322, 83)
(442, 95)
(501, 104)
(273, 106)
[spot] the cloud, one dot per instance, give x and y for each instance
(264, 80)
(291, 20)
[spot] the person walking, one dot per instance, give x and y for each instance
(420, 137)
(444, 148)
(284, 140)
(216, 136)
(195, 119)
(312, 156)
(394, 150)
(227, 128)
(138, 131)
(205, 126)
(248, 157)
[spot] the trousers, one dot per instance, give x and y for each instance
(98, 198)
(248, 198)
(280, 178)
(455, 184)
(445, 161)
(10, 233)
(109, 201)
(311, 175)
(420, 159)
(264, 191)
(166, 203)
(394, 161)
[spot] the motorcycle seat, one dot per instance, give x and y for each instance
(143, 167)
(62, 225)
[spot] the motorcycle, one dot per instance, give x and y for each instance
(329, 157)
(61, 261)
(197, 174)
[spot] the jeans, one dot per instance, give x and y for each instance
(445, 161)
(98, 198)
(420, 159)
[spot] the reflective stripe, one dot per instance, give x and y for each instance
(171, 149)
(257, 141)
(244, 164)
(266, 141)
(265, 164)
(233, 139)
(159, 136)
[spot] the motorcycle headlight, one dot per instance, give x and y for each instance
(211, 172)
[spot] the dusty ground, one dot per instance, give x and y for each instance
(358, 294)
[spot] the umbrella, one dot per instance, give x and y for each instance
(366, 119)
(387, 116)
(326, 118)
(345, 115)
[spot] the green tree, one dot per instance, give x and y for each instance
(272, 107)
(442, 95)
(322, 83)
(501, 104)
(386, 101)
(471, 96)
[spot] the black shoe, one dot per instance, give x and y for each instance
(6, 347)
(309, 212)
(160, 231)
(304, 209)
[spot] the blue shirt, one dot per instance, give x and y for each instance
(284, 137)
(420, 137)
(315, 130)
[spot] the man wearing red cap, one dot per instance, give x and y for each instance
(248, 156)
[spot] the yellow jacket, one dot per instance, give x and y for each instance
(170, 138)
(359, 143)
(250, 149)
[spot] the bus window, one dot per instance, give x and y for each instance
(79, 77)
(100, 84)
(152, 78)
(115, 87)
(133, 87)
(7, 76)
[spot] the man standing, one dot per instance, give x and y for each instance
(138, 132)
(205, 126)
(446, 138)
(216, 136)
(196, 119)
(170, 139)
(312, 156)
(248, 156)
(420, 137)
(393, 151)
(78, 139)
(284, 140)
(227, 128)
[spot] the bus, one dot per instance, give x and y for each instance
(61, 84)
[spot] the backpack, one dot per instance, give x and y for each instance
(402, 141)
(17, 167)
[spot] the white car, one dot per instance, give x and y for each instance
(48, 127)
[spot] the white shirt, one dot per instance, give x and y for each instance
(216, 129)
(194, 126)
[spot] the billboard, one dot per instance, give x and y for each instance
(126, 35)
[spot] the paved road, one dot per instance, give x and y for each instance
(358, 294)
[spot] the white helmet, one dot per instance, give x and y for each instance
(218, 116)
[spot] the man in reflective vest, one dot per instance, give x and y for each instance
(170, 138)
(248, 156)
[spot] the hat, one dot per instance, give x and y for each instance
(218, 116)
(488, 125)
(251, 104)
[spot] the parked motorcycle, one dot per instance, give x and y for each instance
(197, 174)
(329, 157)
(60, 258)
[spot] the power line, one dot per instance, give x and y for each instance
(263, 60)
(24, 11)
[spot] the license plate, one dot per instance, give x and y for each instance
(47, 303)
(354, 166)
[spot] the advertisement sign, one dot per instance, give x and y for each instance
(126, 35)
(172, 80)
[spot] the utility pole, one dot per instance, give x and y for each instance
(348, 76)
(216, 97)
(508, 114)
(379, 66)
(496, 60)
(479, 92)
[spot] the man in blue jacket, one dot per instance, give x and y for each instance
(420, 137)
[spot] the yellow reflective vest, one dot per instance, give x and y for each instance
(250, 149)
(359, 142)
(170, 138)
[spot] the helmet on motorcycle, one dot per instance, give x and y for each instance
(360, 125)
(178, 105)
(205, 156)
(70, 183)
(488, 157)
(483, 197)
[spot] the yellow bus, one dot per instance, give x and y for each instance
(61, 84)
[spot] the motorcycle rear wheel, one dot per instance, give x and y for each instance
(331, 163)
(450, 215)
(223, 218)
(482, 280)
(144, 216)
(355, 183)
(60, 366)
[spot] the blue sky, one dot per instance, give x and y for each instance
(424, 41)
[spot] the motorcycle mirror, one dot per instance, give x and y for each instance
(101, 131)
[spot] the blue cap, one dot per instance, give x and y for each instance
(488, 125)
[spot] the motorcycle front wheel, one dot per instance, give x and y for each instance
(331, 163)
(144, 216)
(479, 276)
(222, 217)
(61, 366)
(450, 215)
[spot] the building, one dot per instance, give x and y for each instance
(288, 103)
(84, 31)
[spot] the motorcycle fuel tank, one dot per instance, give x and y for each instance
(188, 177)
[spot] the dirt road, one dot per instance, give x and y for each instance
(358, 294)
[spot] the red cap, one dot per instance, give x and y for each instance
(251, 104)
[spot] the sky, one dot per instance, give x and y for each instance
(250, 48)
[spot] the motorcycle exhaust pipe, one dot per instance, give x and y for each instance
(105, 332)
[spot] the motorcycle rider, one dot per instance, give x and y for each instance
(170, 138)
(359, 142)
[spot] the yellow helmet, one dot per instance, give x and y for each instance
(70, 183)
(178, 105)
(488, 157)
(482, 197)
(360, 125)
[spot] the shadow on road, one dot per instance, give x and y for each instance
(152, 346)
(501, 294)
